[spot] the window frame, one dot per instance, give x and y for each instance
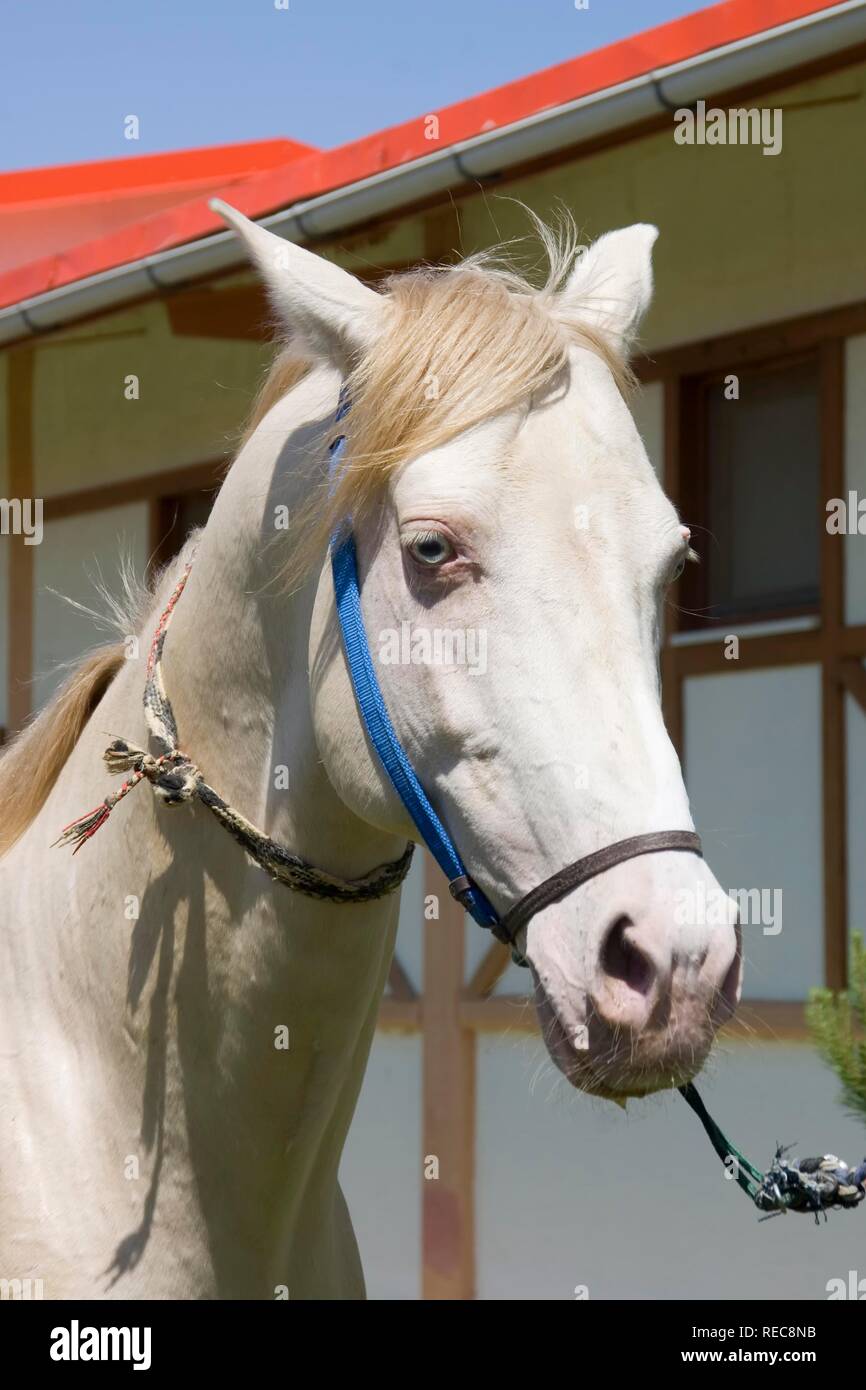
(834, 645)
(695, 495)
(164, 543)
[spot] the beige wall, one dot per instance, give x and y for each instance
(855, 474)
(194, 394)
(745, 239)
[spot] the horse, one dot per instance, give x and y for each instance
(183, 1037)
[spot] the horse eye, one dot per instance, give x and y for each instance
(430, 548)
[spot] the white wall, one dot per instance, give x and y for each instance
(635, 1205)
(75, 552)
(855, 726)
(648, 410)
(381, 1172)
(753, 772)
(410, 936)
(573, 1191)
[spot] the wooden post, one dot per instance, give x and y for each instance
(449, 1105)
(833, 742)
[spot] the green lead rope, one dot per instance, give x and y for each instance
(749, 1178)
(809, 1185)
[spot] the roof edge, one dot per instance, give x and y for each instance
(766, 54)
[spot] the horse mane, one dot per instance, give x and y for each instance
(461, 343)
(32, 762)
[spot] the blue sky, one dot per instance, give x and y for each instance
(206, 72)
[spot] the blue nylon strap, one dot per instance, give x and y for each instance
(377, 722)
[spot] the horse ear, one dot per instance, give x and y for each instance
(334, 315)
(611, 285)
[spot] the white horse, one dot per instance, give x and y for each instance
(154, 1141)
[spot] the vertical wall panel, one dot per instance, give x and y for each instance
(75, 552)
(410, 930)
(573, 1192)
(381, 1171)
(855, 475)
(856, 788)
(753, 771)
(648, 409)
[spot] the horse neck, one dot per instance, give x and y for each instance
(236, 669)
(236, 657)
(256, 1004)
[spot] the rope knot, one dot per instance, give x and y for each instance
(174, 778)
(121, 756)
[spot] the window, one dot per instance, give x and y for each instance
(752, 494)
(175, 516)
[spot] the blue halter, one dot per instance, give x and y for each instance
(380, 731)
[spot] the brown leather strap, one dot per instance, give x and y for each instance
(571, 877)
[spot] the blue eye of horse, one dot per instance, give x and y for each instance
(430, 548)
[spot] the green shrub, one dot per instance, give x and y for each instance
(837, 1023)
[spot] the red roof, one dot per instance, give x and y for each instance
(121, 210)
(45, 211)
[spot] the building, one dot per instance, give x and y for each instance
(133, 337)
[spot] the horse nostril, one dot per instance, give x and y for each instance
(622, 959)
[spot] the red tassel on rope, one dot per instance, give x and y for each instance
(80, 830)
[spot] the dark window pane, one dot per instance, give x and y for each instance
(178, 516)
(763, 456)
(193, 509)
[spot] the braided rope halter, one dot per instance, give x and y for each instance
(176, 779)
